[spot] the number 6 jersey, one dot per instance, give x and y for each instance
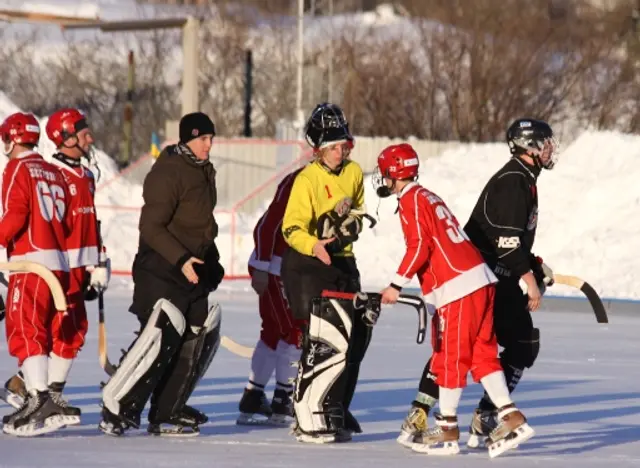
(83, 238)
(34, 221)
(439, 252)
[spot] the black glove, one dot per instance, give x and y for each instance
(345, 229)
(211, 272)
(369, 305)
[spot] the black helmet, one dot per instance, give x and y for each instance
(326, 125)
(530, 136)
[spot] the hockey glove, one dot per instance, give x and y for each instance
(542, 272)
(344, 228)
(370, 306)
(100, 275)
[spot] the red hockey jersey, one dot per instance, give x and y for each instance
(34, 222)
(83, 239)
(448, 265)
(269, 243)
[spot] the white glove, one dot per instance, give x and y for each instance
(100, 276)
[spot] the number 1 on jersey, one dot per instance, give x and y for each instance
(326, 187)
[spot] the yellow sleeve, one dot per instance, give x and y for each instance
(358, 199)
(296, 224)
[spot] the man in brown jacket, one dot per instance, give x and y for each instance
(175, 269)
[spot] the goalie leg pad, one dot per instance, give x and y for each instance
(321, 373)
(199, 346)
(141, 367)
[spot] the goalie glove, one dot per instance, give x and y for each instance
(340, 224)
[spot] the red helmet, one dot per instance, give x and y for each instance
(398, 162)
(21, 129)
(64, 124)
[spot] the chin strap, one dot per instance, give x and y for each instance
(69, 161)
(11, 146)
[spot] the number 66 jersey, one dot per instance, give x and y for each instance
(447, 264)
(34, 220)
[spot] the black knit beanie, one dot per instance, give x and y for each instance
(194, 125)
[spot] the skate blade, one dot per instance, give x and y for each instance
(12, 399)
(520, 435)
(69, 420)
(406, 439)
(441, 449)
(247, 419)
(110, 430)
(175, 434)
(51, 424)
(316, 438)
(280, 420)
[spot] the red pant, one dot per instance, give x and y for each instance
(277, 321)
(30, 313)
(463, 340)
(68, 330)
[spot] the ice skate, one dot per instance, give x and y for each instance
(112, 424)
(282, 408)
(482, 423)
(512, 430)
(329, 437)
(414, 425)
(14, 392)
(254, 408)
(178, 426)
(191, 412)
(442, 439)
(70, 414)
(39, 415)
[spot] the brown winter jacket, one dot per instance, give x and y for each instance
(179, 197)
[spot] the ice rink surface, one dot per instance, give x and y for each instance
(582, 398)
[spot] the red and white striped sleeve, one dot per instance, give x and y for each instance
(417, 237)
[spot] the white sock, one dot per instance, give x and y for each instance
(449, 401)
(496, 387)
(59, 368)
(285, 371)
(35, 370)
(263, 363)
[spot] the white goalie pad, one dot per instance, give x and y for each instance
(144, 353)
(212, 336)
(321, 365)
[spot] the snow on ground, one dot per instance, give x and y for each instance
(579, 397)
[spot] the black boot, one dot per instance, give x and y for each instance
(254, 408)
(198, 416)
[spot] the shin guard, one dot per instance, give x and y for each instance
(319, 393)
(198, 348)
(143, 365)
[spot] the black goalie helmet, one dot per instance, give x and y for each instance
(327, 125)
(535, 138)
